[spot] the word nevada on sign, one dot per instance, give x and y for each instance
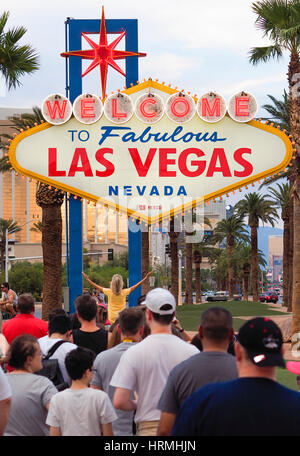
(150, 150)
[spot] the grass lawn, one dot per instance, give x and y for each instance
(190, 315)
(286, 378)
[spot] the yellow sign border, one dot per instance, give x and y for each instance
(150, 220)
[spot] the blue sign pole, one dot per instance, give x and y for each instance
(75, 28)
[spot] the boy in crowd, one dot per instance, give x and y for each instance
(80, 410)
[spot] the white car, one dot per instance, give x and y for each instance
(218, 296)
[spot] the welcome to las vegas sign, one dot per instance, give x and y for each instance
(150, 150)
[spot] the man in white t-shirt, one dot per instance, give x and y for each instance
(5, 401)
(59, 328)
(145, 367)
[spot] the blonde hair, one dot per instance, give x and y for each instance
(116, 284)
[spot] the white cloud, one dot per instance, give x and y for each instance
(259, 84)
(168, 67)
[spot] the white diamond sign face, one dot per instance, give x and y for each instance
(150, 170)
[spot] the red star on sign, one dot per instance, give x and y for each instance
(103, 54)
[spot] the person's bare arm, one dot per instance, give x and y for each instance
(106, 429)
(122, 400)
(176, 323)
(92, 283)
(4, 413)
(141, 281)
(166, 423)
(7, 305)
(55, 431)
(47, 406)
(96, 387)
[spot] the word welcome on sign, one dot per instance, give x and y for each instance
(149, 171)
(149, 108)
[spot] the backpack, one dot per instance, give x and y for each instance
(51, 368)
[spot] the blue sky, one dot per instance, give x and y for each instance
(196, 45)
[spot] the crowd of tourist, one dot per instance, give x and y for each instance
(137, 372)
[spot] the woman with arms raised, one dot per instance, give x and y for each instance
(116, 294)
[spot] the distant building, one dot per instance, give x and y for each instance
(103, 228)
(215, 212)
(276, 256)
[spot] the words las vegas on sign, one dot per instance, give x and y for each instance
(150, 150)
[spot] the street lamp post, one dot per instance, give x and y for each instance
(6, 248)
(6, 255)
(179, 277)
(156, 263)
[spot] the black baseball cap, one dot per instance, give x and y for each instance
(262, 339)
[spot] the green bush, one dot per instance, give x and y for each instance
(102, 275)
(25, 277)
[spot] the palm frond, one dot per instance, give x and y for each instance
(264, 53)
(257, 208)
(14, 35)
(16, 60)
(5, 164)
(281, 195)
(279, 110)
(3, 21)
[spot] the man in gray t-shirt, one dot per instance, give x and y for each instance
(131, 323)
(212, 365)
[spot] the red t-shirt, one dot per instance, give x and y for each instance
(24, 323)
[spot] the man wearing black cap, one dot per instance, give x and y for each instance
(254, 404)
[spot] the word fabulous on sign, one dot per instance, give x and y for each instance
(149, 108)
(150, 153)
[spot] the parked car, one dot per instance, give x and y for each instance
(218, 296)
(262, 297)
(237, 297)
(269, 297)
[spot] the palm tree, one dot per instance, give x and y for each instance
(10, 227)
(231, 229)
(281, 197)
(145, 258)
(257, 208)
(242, 259)
(50, 200)
(219, 261)
(174, 258)
(279, 111)
(280, 20)
(200, 250)
(189, 257)
(16, 59)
